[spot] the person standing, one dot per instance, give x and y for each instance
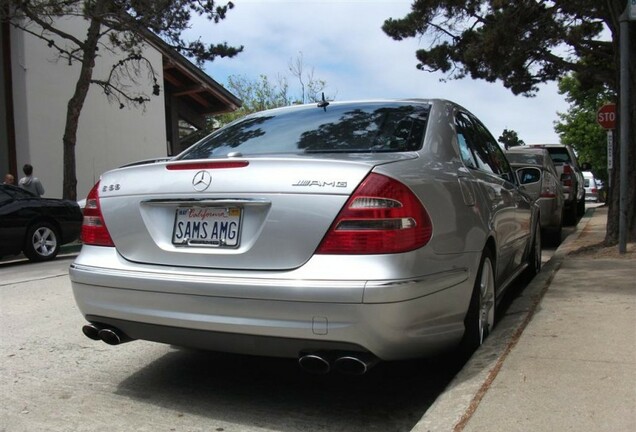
(29, 182)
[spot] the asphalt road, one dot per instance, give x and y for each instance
(52, 378)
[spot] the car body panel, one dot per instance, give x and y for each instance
(272, 294)
(142, 223)
(20, 210)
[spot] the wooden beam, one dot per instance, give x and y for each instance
(172, 80)
(189, 90)
(199, 99)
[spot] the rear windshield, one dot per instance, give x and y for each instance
(559, 155)
(524, 158)
(337, 128)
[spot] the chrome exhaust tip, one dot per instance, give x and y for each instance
(315, 363)
(91, 331)
(355, 364)
(113, 336)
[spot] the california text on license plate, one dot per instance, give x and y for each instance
(207, 226)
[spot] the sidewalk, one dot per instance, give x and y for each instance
(563, 358)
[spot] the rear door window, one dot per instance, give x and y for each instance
(465, 140)
(486, 153)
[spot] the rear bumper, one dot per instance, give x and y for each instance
(591, 196)
(393, 319)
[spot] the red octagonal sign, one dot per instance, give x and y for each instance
(606, 116)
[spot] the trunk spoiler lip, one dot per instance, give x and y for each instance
(208, 201)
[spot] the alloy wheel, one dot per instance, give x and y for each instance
(486, 300)
(44, 241)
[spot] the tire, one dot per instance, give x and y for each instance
(570, 217)
(480, 317)
(42, 242)
(552, 236)
(581, 208)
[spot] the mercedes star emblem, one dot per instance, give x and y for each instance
(201, 181)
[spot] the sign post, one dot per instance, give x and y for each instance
(606, 118)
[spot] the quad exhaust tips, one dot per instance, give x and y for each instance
(357, 363)
(107, 334)
(316, 363)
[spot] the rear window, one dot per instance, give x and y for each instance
(338, 128)
(559, 155)
(524, 158)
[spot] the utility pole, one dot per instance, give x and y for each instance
(628, 15)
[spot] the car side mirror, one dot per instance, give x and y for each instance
(528, 175)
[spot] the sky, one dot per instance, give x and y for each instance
(343, 42)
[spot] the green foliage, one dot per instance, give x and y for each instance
(510, 138)
(578, 127)
(519, 43)
(265, 93)
(257, 95)
(526, 43)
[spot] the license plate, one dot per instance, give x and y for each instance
(207, 226)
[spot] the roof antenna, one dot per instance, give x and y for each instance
(324, 104)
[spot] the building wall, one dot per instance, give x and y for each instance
(4, 138)
(107, 137)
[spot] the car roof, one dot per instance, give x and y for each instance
(420, 101)
(524, 165)
(524, 149)
(546, 145)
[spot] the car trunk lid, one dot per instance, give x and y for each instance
(260, 213)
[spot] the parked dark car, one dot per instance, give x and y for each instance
(36, 226)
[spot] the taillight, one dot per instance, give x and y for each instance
(548, 186)
(94, 231)
(382, 216)
(566, 177)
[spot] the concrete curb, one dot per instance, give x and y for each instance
(454, 407)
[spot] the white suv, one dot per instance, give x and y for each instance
(591, 187)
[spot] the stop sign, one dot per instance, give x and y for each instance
(606, 116)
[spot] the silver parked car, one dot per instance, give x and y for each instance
(571, 176)
(538, 176)
(338, 233)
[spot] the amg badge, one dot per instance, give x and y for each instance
(319, 183)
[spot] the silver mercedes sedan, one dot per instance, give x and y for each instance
(340, 234)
